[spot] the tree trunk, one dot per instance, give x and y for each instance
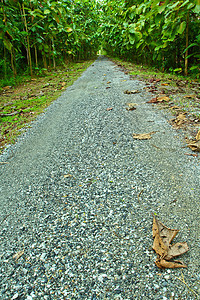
(187, 44)
(28, 42)
(44, 60)
(54, 60)
(36, 56)
(5, 66)
(12, 62)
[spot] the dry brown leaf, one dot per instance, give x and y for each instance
(162, 264)
(166, 233)
(131, 92)
(143, 136)
(110, 108)
(164, 84)
(190, 96)
(153, 100)
(18, 255)
(163, 237)
(180, 119)
(175, 107)
(158, 246)
(176, 250)
(131, 106)
(67, 175)
(195, 146)
(198, 136)
(108, 82)
(163, 98)
(190, 154)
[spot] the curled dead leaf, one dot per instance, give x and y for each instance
(153, 100)
(143, 136)
(18, 255)
(163, 264)
(67, 175)
(131, 106)
(180, 119)
(163, 237)
(198, 136)
(163, 98)
(190, 96)
(176, 250)
(195, 146)
(110, 108)
(131, 92)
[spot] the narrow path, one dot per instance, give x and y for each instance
(78, 194)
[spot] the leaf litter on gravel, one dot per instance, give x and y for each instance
(131, 92)
(163, 236)
(143, 136)
(131, 106)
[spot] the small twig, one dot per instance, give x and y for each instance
(183, 280)
(4, 219)
(11, 114)
(140, 194)
(117, 235)
(190, 154)
(156, 146)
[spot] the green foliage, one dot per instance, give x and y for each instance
(43, 34)
(153, 32)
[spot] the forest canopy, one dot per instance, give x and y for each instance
(43, 34)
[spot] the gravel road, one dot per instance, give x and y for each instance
(78, 194)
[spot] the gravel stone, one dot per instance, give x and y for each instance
(88, 235)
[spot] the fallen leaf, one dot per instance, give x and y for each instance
(166, 233)
(158, 245)
(7, 87)
(110, 108)
(163, 236)
(131, 92)
(18, 255)
(175, 107)
(163, 98)
(153, 100)
(190, 96)
(164, 84)
(108, 82)
(176, 250)
(180, 119)
(190, 154)
(108, 87)
(162, 264)
(143, 136)
(131, 106)
(195, 146)
(67, 175)
(198, 136)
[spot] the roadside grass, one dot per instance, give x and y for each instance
(184, 91)
(28, 97)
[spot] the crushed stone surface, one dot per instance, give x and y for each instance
(77, 194)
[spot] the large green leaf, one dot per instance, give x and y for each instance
(182, 27)
(7, 44)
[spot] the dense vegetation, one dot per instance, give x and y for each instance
(36, 35)
(165, 34)
(41, 34)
